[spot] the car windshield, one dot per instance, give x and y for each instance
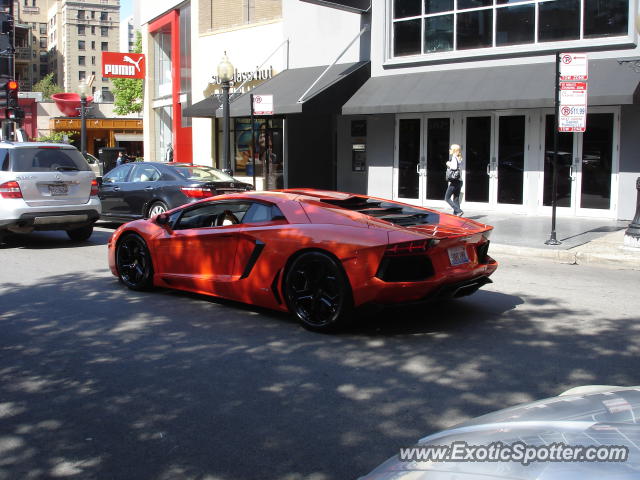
(46, 159)
(206, 174)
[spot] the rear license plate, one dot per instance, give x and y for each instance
(458, 255)
(58, 189)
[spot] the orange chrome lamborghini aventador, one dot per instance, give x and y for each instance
(317, 254)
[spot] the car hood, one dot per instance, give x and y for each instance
(586, 417)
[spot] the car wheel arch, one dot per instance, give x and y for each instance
(349, 287)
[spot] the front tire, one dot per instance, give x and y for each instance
(157, 208)
(317, 292)
(133, 262)
(80, 234)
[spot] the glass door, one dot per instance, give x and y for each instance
(479, 163)
(410, 164)
(437, 142)
(587, 163)
(422, 154)
(596, 166)
(508, 171)
(494, 161)
(567, 164)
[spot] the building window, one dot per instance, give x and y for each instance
(222, 14)
(82, 75)
(43, 28)
(93, 15)
(185, 57)
(104, 46)
(43, 42)
(80, 44)
(81, 60)
(93, 45)
(93, 60)
(104, 31)
(163, 128)
(80, 14)
(93, 30)
(423, 27)
(162, 64)
(81, 29)
(103, 16)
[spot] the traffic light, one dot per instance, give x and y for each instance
(12, 94)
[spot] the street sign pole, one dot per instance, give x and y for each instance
(253, 142)
(554, 189)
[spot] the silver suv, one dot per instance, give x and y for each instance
(46, 186)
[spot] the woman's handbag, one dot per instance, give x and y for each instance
(453, 175)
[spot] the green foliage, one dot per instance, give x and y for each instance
(128, 92)
(57, 137)
(47, 86)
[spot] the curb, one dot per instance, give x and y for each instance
(623, 259)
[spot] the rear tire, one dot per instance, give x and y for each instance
(317, 292)
(80, 234)
(157, 208)
(133, 262)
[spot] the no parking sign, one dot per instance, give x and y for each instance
(263, 104)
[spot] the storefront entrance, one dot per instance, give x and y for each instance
(587, 166)
(494, 148)
(508, 159)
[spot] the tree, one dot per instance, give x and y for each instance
(57, 137)
(128, 92)
(47, 86)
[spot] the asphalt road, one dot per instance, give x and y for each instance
(98, 382)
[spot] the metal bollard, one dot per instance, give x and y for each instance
(632, 234)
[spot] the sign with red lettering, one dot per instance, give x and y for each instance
(573, 67)
(123, 65)
(573, 107)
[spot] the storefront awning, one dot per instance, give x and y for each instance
(357, 6)
(205, 108)
(491, 88)
(327, 96)
(128, 137)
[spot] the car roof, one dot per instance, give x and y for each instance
(6, 144)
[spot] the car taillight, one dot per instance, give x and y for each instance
(409, 248)
(94, 188)
(197, 192)
(10, 190)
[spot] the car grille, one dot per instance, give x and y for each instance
(407, 268)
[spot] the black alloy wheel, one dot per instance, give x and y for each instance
(133, 262)
(317, 292)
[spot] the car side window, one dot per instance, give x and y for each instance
(260, 212)
(118, 174)
(145, 173)
(213, 214)
(4, 159)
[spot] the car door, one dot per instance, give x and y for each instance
(198, 252)
(111, 192)
(141, 188)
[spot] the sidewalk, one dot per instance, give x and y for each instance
(584, 240)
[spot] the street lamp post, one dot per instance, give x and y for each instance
(225, 75)
(83, 117)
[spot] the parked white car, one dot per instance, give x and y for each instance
(47, 186)
(94, 163)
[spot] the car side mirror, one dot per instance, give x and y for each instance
(163, 220)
